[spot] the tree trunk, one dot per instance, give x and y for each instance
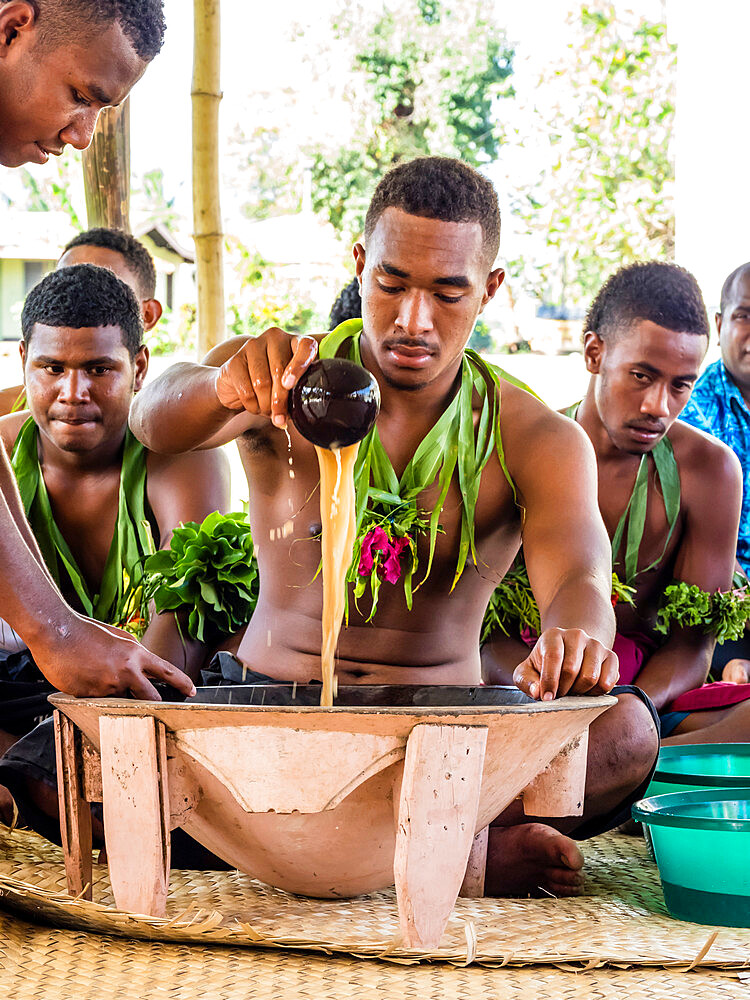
(106, 170)
(209, 238)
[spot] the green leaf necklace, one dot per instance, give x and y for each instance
(633, 520)
(386, 506)
(131, 539)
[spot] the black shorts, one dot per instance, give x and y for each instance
(23, 693)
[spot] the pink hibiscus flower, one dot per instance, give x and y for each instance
(377, 540)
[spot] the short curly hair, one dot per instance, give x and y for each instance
(438, 187)
(348, 305)
(729, 287)
(142, 21)
(133, 252)
(652, 290)
(84, 296)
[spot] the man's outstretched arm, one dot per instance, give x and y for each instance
(567, 554)
(244, 380)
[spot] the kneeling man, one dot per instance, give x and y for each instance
(669, 495)
(426, 270)
(97, 501)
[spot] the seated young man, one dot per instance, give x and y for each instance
(426, 270)
(97, 501)
(669, 495)
(120, 253)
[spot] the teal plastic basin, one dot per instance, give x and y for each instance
(701, 841)
(687, 768)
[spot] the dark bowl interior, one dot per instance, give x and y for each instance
(360, 695)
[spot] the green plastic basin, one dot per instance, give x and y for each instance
(701, 841)
(687, 768)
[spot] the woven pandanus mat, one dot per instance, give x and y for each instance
(40, 963)
(621, 919)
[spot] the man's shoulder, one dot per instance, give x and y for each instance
(536, 428)
(699, 452)
(10, 427)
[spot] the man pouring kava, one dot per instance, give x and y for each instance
(460, 467)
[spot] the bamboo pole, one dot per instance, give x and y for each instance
(209, 238)
(106, 170)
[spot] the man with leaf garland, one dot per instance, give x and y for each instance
(461, 465)
(97, 501)
(126, 257)
(670, 498)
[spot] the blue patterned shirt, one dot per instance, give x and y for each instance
(717, 407)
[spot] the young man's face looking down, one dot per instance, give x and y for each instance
(646, 374)
(423, 283)
(51, 94)
(80, 384)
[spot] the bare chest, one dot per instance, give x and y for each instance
(85, 511)
(655, 555)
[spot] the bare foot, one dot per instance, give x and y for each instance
(736, 672)
(8, 813)
(532, 860)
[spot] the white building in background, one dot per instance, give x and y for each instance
(31, 243)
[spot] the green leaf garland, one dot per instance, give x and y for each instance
(720, 614)
(451, 447)
(632, 523)
(118, 601)
(513, 607)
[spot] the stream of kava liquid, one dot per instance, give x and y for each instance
(338, 519)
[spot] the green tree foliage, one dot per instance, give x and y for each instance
(602, 119)
(481, 338)
(57, 191)
(265, 167)
(151, 201)
(425, 78)
(264, 297)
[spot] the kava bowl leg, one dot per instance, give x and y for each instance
(436, 825)
(472, 886)
(136, 811)
(75, 812)
(560, 789)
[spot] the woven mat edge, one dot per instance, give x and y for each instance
(43, 906)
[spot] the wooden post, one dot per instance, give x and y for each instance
(75, 813)
(106, 170)
(209, 238)
(136, 811)
(436, 826)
